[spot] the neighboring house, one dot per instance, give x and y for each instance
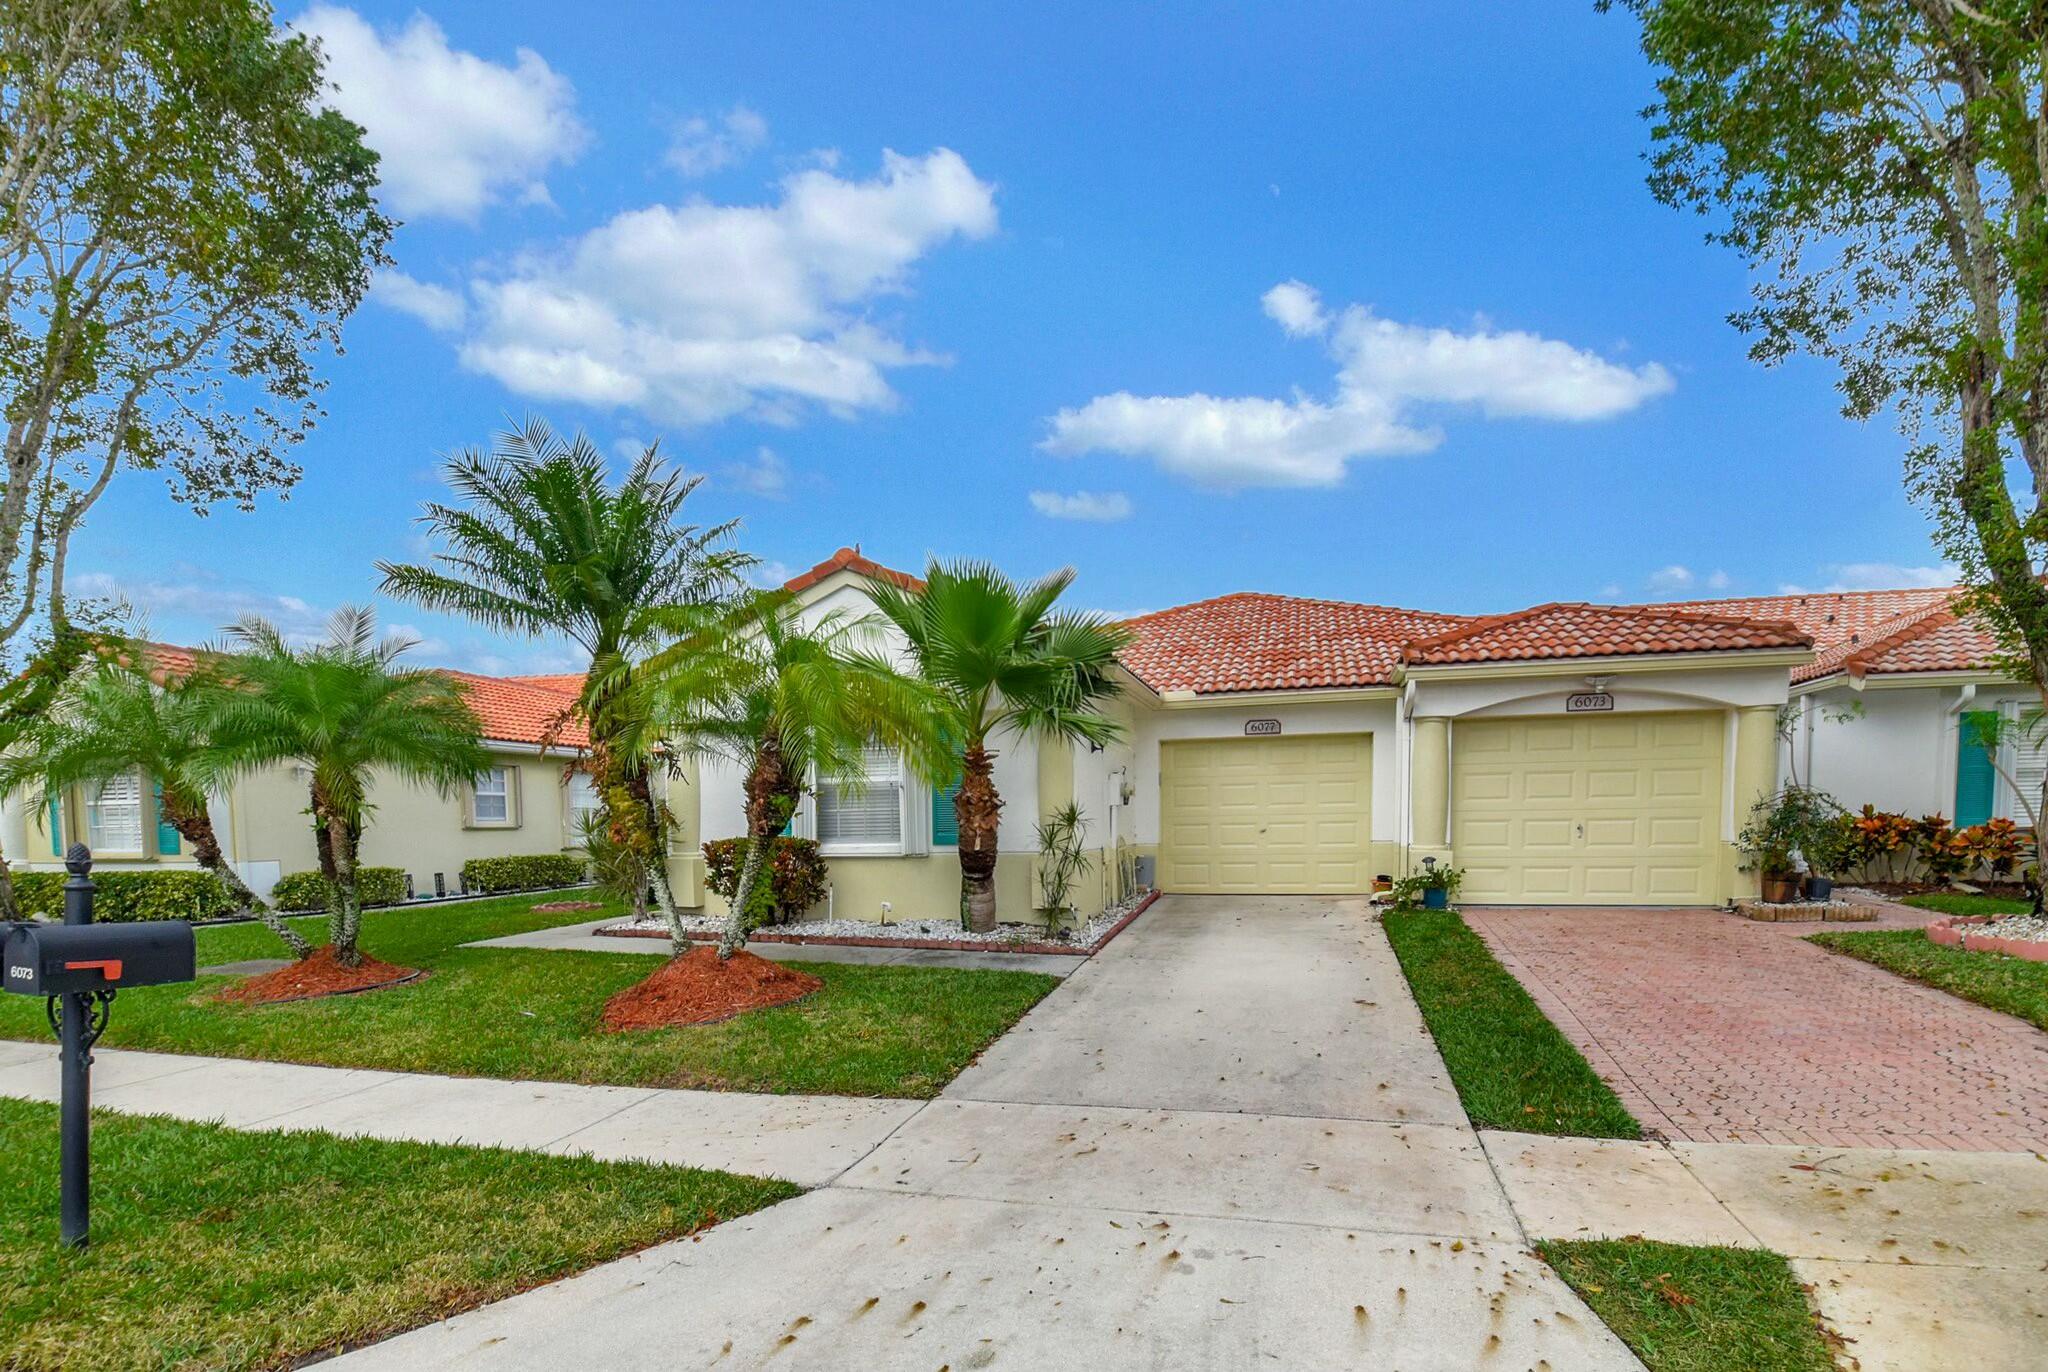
(526, 803)
(1881, 708)
(1564, 754)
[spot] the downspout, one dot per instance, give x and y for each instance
(1947, 764)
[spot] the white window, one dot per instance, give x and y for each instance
(858, 814)
(113, 814)
(2025, 761)
(491, 797)
(583, 799)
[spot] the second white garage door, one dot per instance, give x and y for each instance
(1280, 816)
(1596, 810)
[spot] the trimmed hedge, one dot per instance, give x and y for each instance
(129, 897)
(525, 872)
(307, 891)
(796, 876)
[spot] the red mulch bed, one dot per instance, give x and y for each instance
(319, 975)
(556, 906)
(697, 988)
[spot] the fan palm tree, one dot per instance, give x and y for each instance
(1003, 660)
(790, 701)
(544, 544)
(130, 712)
(344, 709)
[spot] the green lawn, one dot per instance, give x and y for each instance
(501, 1012)
(213, 1248)
(1686, 1309)
(1512, 1067)
(1956, 903)
(2009, 985)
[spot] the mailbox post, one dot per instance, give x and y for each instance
(74, 1023)
(76, 968)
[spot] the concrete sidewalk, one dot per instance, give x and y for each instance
(808, 1140)
(584, 938)
(1918, 1259)
(1225, 1142)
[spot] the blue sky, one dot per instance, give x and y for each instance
(1366, 302)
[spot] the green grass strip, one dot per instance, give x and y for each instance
(215, 1248)
(533, 1013)
(1959, 903)
(1696, 1309)
(2008, 985)
(1512, 1067)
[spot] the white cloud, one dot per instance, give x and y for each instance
(1105, 507)
(1385, 371)
(1297, 308)
(1878, 576)
(771, 575)
(1672, 578)
(697, 312)
(207, 601)
(1718, 580)
(437, 307)
(766, 475)
(453, 131)
(701, 146)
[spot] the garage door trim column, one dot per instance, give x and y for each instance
(1429, 789)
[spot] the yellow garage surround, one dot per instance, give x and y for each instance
(1266, 816)
(1589, 810)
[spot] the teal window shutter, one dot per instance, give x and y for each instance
(1976, 780)
(945, 821)
(166, 833)
(56, 823)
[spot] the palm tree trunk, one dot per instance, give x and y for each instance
(337, 843)
(772, 796)
(9, 908)
(195, 826)
(977, 808)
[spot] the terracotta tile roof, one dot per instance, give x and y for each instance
(1937, 641)
(850, 560)
(570, 683)
(1581, 630)
(1250, 641)
(1839, 621)
(512, 710)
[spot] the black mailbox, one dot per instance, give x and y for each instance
(51, 959)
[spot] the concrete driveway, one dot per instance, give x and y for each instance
(1226, 1141)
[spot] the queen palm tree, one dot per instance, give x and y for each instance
(131, 711)
(544, 544)
(344, 709)
(1002, 660)
(790, 701)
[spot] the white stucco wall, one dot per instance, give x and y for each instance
(1898, 753)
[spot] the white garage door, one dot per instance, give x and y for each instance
(1594, 810)
(1281, 816)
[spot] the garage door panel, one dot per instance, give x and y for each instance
(1616, 809)
(1272, 815)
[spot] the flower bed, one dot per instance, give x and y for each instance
(939, 934)
(2016, 936)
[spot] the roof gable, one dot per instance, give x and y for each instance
(1251, 641)
(1583, 630)
(850, 560)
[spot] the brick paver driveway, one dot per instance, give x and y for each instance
(1714, 1029)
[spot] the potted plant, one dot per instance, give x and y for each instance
(1828, 846)
(1434, 887)
(1778, 826)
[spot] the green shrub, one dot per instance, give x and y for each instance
(308, 890)
(526, 872)
(796, 878)
(126, 897)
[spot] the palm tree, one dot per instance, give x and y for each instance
(1003, 660)
(543, 544)
(344, 709)
(130, 712)
(790, 701)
